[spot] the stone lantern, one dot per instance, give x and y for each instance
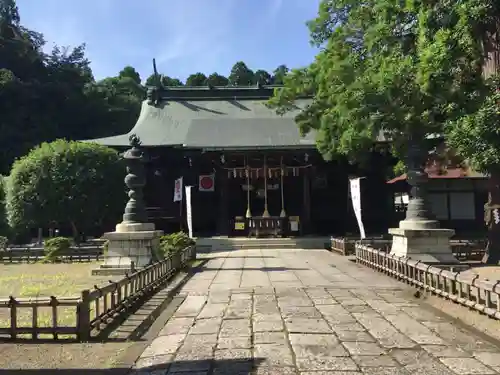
(134, 242)
(419, 236)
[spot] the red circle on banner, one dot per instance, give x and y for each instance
(206, 183)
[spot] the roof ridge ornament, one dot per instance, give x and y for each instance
(153, 92)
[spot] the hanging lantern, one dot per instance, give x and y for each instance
(234, 172)
(247, 174)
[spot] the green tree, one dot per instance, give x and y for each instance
(76, 185)
(130, 72)
(279, 75)
(476, 137)
(262, 77)
(216, 79)
(165, 81)
(241, 75)
(382, 71)
(9, 13)
(115, 101)
(196, 79)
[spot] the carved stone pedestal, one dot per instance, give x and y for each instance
(430, 246)
(129, 248)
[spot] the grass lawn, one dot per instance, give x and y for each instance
(45, 280)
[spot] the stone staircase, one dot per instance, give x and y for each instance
(237, 243)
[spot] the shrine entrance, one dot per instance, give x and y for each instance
(266, 197)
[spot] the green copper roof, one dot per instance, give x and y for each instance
(217, 118)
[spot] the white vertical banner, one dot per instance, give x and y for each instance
(355, 185)
(189, 211)
(178, 190)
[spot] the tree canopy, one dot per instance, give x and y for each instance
(46, 96)
(401, 69)
(67, 184)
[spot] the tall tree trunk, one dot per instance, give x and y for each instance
(492, 219)
(491, 66)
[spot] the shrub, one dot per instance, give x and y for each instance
(55, 247)
(175, 242)
(74, 184)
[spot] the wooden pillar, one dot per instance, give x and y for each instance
(266, 212)
(282, 172)
(248, 213)
(306, 220)
(223, 222)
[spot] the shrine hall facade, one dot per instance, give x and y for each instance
(251, 171)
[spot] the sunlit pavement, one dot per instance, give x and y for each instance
(307, 312)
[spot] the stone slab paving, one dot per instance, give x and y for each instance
(307, 312)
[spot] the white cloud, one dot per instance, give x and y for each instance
(196, 31)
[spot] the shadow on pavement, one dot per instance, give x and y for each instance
(216, 367)
(264, 269)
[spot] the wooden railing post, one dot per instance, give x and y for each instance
(83, 317)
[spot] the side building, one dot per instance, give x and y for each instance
(251, 171)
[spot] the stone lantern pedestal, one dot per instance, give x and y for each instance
(419, 236)
(135, 242)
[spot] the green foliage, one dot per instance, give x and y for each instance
(174, 242)
(241, 75)
(476, 136)
(130, 72)
(215, 79)
(262, 77)
(197, 79)
(69, 183)
(55, 247)
(398, 69)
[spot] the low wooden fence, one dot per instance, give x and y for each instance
(75, 254)
(466, 289)
(346, 246)
(93, 309)
(463, 250)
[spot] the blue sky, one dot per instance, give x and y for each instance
(185, 36)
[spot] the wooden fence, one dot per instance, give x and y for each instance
(74, 254)
(463, 250)
(346, 245)
(94, 308)
(466, 289)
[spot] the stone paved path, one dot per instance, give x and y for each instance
(307, 312)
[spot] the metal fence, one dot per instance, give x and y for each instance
(466, 289)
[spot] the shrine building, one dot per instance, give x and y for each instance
(251, 171)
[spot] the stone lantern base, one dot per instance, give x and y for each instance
(131, 246)
(430, 246)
